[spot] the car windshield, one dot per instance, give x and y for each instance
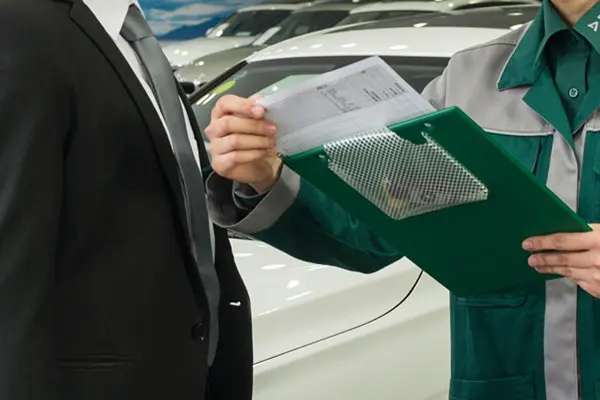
(300, 24)
(266, 77)
(378, 15)
(249, 23)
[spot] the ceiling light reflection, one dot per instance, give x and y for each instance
(243, 255)
(268, 312)
(273, 267)
(317, 267)
(293, 284)
(298, 296)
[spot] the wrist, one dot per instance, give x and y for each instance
(267, 185)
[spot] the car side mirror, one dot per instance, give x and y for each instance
(188, 87)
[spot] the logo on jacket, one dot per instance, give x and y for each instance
(594, 25)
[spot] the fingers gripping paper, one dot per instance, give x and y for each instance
(401, 178)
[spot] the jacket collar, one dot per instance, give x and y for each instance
(521, 68)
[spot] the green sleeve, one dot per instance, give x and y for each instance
(317, 230)
(300, 220)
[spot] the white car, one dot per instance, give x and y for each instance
(240, 29)
(316, 17)
(394, 9)
(322, 333)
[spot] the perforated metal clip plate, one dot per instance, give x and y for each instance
(401, 178)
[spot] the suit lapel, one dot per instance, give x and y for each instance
(83, 17)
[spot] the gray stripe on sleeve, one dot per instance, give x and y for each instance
(265, 215)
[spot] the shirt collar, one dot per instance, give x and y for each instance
(527, 61)
(111, 13)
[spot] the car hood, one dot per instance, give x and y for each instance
(210, 66)
(295, 303)
(183, 53)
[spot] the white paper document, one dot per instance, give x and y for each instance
(340, 104)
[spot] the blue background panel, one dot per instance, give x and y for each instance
(186, 19)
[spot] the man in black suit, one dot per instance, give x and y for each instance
(114, 285)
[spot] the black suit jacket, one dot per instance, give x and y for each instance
(99, 298)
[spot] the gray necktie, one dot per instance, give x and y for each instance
(160, 76)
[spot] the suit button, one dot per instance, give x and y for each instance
(198, 332)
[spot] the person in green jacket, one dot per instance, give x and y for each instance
(536, 90)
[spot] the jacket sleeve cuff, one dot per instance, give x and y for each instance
(245, 197)
(264, 209)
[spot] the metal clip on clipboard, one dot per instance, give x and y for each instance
(401, 178)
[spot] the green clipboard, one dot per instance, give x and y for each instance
(471, 243)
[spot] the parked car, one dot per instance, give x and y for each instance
(306, 20)
(192, 31)
(239, 29)
(320, 332)
(315, 18)
(320, 15)
(394, 9)
(205, 26)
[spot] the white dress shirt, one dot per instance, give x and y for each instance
(111, 14)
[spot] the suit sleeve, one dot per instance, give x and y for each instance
(34, 121)
(302, 221)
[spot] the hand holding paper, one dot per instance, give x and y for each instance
(242, 143)
(340, 104)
